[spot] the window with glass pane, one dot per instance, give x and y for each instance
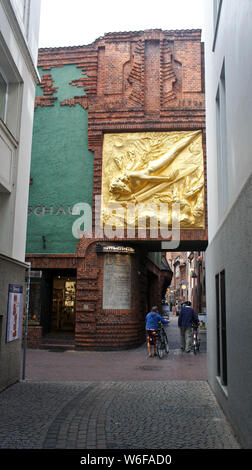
(3, 96)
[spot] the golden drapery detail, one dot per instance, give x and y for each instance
(152, 168)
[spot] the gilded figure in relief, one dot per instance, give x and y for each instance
(155, 167)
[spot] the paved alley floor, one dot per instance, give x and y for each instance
(127, 365)
(114, 400)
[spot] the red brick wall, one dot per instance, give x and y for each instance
(113, 329)
(34, 336)
(140, 81)
(152, 78)
(106, 329)
(137, 81)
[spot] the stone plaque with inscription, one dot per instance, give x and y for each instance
(117, 282)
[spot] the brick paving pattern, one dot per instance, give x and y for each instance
(110, 415)
(139, 412)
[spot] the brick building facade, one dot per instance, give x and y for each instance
(147, 81)
(188, 281)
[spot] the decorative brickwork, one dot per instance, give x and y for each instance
(99, 328)
(81, 100)
(48, 90)
(168, 76)
(131, 81)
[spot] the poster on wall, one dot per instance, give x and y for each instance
(14, 313)
(203, 321)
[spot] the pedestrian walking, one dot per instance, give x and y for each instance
(151, 325)
(177, 310)
(165, 309)
(187, 317)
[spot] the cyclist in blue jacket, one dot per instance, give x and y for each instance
(187, 317)
(151, 325)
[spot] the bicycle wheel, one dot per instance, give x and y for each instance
(166, 344)
(194, 346)
(160, 348)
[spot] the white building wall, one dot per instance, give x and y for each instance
(19, 33)
(18, 54)
(228, 46)
(232, 48)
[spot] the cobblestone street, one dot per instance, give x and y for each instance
(113, 415)
(96, 402)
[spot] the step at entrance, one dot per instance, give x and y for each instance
(58, 342)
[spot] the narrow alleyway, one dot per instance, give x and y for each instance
(128, 365)
(114, 400)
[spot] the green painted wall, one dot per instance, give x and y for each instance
(61, 168)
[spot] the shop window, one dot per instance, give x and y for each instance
(35, 303)
(64, 295)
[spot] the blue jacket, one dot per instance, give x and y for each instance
(187, 316)
(152, 319)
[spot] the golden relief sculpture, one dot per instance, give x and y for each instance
(152, 168)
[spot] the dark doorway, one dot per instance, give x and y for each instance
(63, 303)
(54, 293)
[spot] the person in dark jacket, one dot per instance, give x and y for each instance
(151, 325)
(187, 317)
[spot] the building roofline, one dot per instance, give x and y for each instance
(113, 35)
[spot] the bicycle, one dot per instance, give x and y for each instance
(196, 339)
(162, 344)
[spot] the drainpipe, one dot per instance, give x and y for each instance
(26, 318)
